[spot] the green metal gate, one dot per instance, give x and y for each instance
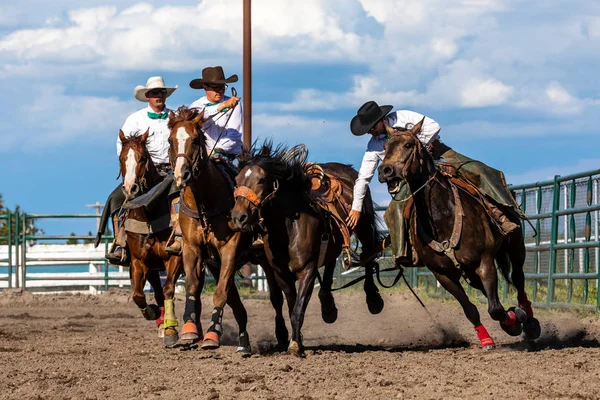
(8, 261)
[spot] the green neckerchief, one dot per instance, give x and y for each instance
(162, 115)
(215, 104)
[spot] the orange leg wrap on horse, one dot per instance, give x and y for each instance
(484, 336)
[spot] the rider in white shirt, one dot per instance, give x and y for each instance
(153, 118)
(372, 119)
(224, 126)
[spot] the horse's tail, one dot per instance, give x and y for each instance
(503, 261)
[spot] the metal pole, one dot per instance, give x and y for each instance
(98, 208)
(553, 239)
(247, 75)
(10, 245)
(17, 237)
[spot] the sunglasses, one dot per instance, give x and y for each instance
(216, 87)
(156, 92)
(374, 127)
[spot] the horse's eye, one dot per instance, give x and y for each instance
(143, 159)
(408, 145)
(261, 181)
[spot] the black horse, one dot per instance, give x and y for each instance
(273, 196)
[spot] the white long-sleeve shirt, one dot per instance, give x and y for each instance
(231, 136)
(158, 139)
(375, 149)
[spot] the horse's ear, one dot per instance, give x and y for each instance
(145, 135)
(417, 128)
(390, 131)
(122, 136)
(199, 118)
(171, 115)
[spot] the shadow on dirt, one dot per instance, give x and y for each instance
(554, 339)
(444, 339)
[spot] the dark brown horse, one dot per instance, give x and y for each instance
(208, 238)
(148, 257)
(454, 237)
(273, 188)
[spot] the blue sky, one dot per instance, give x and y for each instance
(512, 82)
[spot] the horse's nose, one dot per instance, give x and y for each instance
(135, 188)
(239, 218)
(385, 171)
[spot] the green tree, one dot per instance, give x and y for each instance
(89, 241)
(72, 241)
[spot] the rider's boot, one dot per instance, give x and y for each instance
(173, 245)
(506, 225)
(118, 250)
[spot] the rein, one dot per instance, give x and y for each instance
(408, 161)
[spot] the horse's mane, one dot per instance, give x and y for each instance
(287, 165)
(136, 137)
(184, 114)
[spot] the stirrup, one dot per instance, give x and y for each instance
(346, 258)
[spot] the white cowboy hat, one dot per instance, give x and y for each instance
(154, 82)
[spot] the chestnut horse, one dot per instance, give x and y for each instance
(208, 238)
(148, 256)
(273, 196)
(454, 237)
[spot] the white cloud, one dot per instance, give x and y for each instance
(484, 93)
(439, 54)
(55, 118)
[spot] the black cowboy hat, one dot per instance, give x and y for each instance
(367, 116)
(212, 75)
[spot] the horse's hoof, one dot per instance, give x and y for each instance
(375, 303)
(513, 330)
(329, 311)
(171, 338)
(151, 312)
(282, 336)
(190, 334)
(519, 313)
(295, 350)
(532, 328)
(243, 350)
(211, 341)
(161, 331)
(329, 315)
(488, 347)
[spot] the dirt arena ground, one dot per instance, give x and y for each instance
(99, 347)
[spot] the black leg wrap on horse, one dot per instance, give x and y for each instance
(244, 340)
(374, 300)
(191, 312)
(216, 321)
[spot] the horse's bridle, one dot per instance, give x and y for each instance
(409, 160)
(254, 199)
(194, 167)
